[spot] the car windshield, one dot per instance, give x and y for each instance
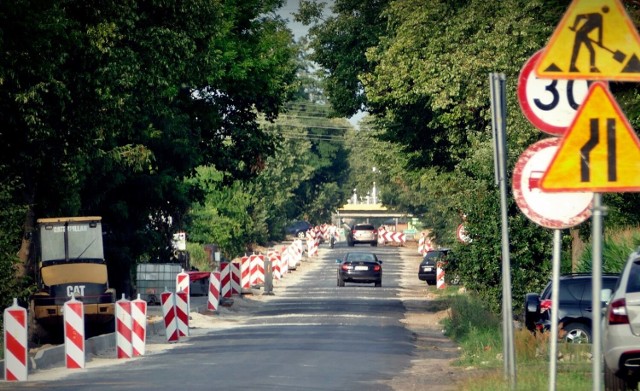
(435, 254)
(357, 257)
(364, 227)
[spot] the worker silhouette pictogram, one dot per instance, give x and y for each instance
(590, 23)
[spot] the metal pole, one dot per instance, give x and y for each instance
(555, 288)
(498, 103)
(268, 276)
(596, 287)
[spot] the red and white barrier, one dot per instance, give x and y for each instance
(424, 244)
(236, 288)
(393, 237)
(284, 261)
(274, 258)
(182, 313)
(213, 301)
(313, 241)
(139, 326)
(245, 273)
(257, 269)
(16, 364)
(74, 348)
(169, 314)
(225, 279)
(183, 283)
(440, 284)
(124, 324)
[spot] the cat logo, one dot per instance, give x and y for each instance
(75, 290)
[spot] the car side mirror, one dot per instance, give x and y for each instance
(338, 261)
(605, 295)
(379, 261)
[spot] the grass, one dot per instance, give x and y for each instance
(479, 333)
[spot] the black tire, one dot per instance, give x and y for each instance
(374, 244)
(378, 283)
(577, 333)
(613, 382)
(351, 244)
(340, 281)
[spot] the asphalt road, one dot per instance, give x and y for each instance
(311, 336)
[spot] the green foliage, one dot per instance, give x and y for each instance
(108, 107)
(616, 247)
(476, 329)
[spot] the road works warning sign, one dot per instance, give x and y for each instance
(600, 151)
(595, 40)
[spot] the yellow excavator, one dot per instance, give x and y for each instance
(71, 263)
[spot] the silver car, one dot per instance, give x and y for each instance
(362, 233)
(621, 330)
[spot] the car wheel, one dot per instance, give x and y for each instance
(611, 381)
(340, 281)
(577, 333)
(374, 244)
(351, 244)
(300, 235)
(378, 283)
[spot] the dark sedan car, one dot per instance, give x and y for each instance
(360, 267)
(428, 266)
(298, 229)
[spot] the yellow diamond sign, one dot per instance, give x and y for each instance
(600, 152)
(595, 40)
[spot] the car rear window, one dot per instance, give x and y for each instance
(633, 285)
(353, 257)
(363, 227)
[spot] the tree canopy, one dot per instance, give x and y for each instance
(108, 107)
(423, 71)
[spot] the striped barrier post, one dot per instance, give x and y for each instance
(299, 249)
(213, 301)
(274, 258)
(245, 273)
(257, 269)
(74, 348)
(182, 285)
(284, 262)
(124, 324)
(290, 259)
(236, 288)
(225, 280)
(139, 329)
(182, 313)
(169, 314)
(16, 362)
(440, 284)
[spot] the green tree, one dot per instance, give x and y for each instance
(426, 87)
(110, 106)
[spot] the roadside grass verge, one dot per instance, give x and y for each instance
(479, 334)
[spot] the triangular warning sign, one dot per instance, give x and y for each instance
(595, 40)
(600, 152)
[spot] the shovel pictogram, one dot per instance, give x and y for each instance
(617, 55)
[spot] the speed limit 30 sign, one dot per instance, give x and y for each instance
(549, 104)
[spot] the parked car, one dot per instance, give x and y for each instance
(360, 267)
(427, 271)
(574, 310)
(362, 233)
(298, 229)
(621, 330)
